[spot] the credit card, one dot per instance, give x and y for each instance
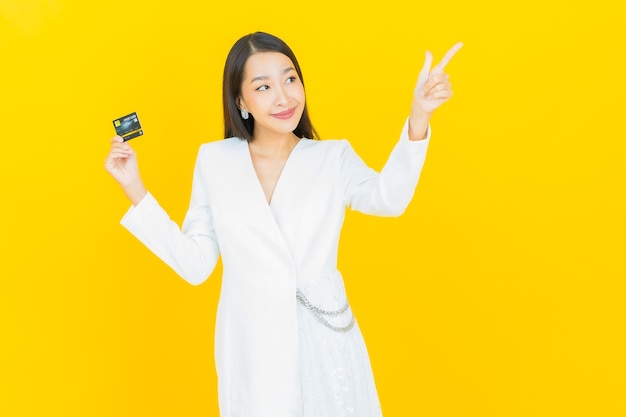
(128, 126)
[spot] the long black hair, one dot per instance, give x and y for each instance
(234, 124)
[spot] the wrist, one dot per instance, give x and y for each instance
(135, 192)
(418, 125)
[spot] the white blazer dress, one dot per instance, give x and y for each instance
(276, 357)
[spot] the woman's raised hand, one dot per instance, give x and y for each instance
(432, 90)
(121, 163)
(433, 86)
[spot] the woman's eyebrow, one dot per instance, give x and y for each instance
(265, 77)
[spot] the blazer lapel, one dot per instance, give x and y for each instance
(266, 213)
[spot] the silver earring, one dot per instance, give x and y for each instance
(244, 114)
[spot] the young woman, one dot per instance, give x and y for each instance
(270, 201)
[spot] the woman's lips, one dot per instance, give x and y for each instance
(285, 114)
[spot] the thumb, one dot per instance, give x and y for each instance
(423, 76)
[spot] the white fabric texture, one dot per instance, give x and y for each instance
(273, 356)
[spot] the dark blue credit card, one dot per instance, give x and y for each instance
(128, 126)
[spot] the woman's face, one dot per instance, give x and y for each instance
(273, 93)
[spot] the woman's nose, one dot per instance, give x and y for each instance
(281, 95)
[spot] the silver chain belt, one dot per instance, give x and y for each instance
(319, 313)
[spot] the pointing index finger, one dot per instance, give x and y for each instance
(447, 57)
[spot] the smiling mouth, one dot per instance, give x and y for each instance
(285, 114)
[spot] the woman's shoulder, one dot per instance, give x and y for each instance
(222, 146)
(326, 145)
(223, 143)
(227, 146)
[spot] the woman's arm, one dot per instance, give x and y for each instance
(389, 193)
(193, 251)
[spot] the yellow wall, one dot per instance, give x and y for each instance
(500, 291)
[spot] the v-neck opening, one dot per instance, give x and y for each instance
(280, 175)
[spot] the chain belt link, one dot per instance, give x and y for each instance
(319, 313)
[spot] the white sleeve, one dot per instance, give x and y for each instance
(193, 251)
(389, 192)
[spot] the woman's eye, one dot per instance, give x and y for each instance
(262, 88)
(291, 79)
